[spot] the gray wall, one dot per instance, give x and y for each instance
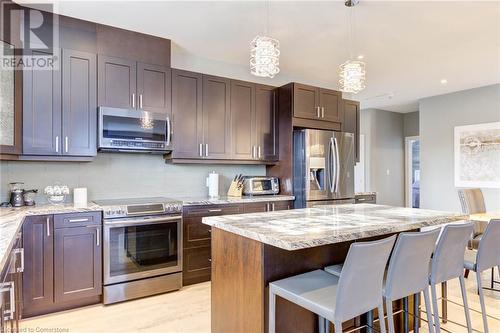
(384, 151)
(121, 176)
(411, 124)
(438, 117)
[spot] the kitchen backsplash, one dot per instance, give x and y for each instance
(121, 176)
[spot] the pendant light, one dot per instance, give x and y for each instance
(265, 53)
(352, 73)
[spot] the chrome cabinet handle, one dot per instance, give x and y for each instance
(98, 234)
(253, 151)
(57, 143)
(201, 150)
(21, 252)
(140, 101)
(169, 131)
(133, 100)
(273, 206)
(259, 152)
(206, 149)
(318, 112)
(215, 210)
(48, 226)
(66, 144)
(322, 112)
(78, 220)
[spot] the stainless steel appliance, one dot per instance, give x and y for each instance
(136, 131)
(323, 167)
(16, 194)
(260, 185)
(142, 241)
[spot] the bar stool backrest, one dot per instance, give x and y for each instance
(472, 201)
(488, 252)
(361, 280)
(408, 271)
(448, 259)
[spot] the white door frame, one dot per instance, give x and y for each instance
(408, 170)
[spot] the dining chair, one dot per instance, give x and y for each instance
(337, 299)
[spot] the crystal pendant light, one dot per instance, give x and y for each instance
(265, 54)
(352, 73)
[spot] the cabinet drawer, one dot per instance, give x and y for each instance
(195, 233)
(282, 205)
(366, 199)
(77, 219)
(197, 265)
(211, 210)
(256, 207)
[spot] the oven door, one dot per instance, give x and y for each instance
(136, 248)
(121, 128)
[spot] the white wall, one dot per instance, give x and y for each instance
(438, 117)
(121, 176)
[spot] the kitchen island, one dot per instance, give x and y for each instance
(251, 250)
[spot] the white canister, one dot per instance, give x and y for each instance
(80, 197)
(212, 183)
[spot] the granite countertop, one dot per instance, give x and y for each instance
(224, 200)
(11, 220)
(322, 225)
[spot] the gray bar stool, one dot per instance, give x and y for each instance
(488, 256)
(337, 299)
(448, 264)
(408, 271)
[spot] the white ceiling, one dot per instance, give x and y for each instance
(408, 46)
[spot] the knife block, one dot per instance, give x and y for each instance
(234, 191)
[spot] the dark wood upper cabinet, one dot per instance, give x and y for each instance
(187, 114)
(243, 122)
(305, 101)
(79, 103)
(78, 263)
(42, 109)
(265, 116)
(38, 283)
(216, 117)
(154, 88)
(117, 82)
(351, 122)
(330, 105)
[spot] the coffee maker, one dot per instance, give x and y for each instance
(16, 194)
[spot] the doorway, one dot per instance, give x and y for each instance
(412, 171)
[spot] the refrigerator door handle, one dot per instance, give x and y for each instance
(337, 165)
(331, 166)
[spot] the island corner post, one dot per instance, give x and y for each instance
(241, 271)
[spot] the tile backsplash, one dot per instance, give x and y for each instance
(112, 176)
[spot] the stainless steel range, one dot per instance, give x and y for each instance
(142, 247)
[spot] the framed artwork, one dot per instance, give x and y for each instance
(477, 155)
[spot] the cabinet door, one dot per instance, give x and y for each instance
(256, 207)
(216, 117)
(330, 103)
(38, 276)
(153, 88)
(79, 104)
(78, 261)
(265, 104)
(197, 265)
(195, 233)
(351, 122)
(282, 205)
(243, 120)
(42, 109)
(116, 81)
(186, 114)
(305, 101)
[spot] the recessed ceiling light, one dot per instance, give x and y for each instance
(443, 81)
(361, 57)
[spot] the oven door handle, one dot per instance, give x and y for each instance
(125, 222)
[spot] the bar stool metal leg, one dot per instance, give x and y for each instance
(481, 300)
(435, 308)
(390, 315)
(406, 321)
(337, 327)
(466, 305)
(416, 313)
(272, 311)
(428, 310)
(369, 321)
(444, 301)
(381, 317)
(322, 328)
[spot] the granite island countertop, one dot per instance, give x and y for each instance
(322, 225)
(11, 220)
(225, 200)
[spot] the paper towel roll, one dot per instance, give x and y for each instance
(213, 185)
(80, 197)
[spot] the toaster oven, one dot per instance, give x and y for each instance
(260, 185)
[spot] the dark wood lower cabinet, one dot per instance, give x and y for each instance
(197, 250)
(63, 266)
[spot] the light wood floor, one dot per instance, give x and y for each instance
(188, 311)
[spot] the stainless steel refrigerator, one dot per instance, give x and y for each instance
(323, 167)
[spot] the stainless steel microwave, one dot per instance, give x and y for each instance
(137, 131)
(260, 185)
